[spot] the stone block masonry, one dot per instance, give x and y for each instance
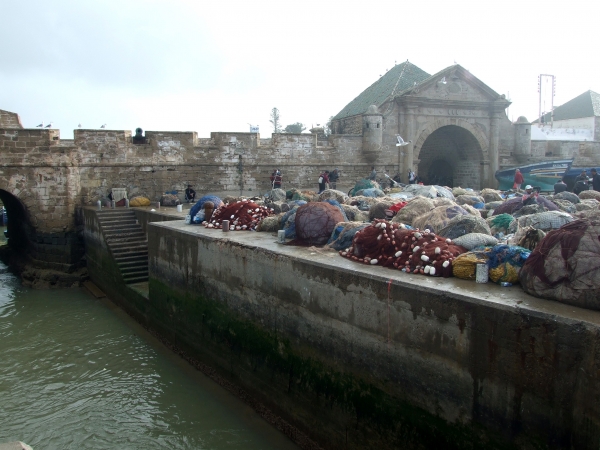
(365, 357)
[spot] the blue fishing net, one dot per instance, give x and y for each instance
(288, 223)
(200, 203)
(360, 185)
(340, 239)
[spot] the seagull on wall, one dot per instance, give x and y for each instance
(79, 126)
(41, 125)
(401, 142)
(103, 125)
(49, 125)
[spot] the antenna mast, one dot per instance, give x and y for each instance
(540, 89)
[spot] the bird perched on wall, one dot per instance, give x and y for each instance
(49, 125)
(103, 125)
(41, 125)
(79, 126)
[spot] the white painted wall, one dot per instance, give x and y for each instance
(581, 129)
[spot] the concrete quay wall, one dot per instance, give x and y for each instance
(355, 353)
(364, 357)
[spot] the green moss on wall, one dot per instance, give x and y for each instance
(393, 420)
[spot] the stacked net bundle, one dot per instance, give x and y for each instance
(343, 234)
(566, 195)
(461, 225)
(361, 185)
(547, 204)
(500, 223)
(565, 205)
(316, 221)
(270, 223)
(216, 201)
(510, 206)
(169, 200)
(332, 194)
(444, 192)
(565, 266)
(491, 195)
(465, 265)
(527, 210)
(469, 200)
(505, 262)
(295, 194)
(391, 245)
(244, 215)
(530, 238)
(372, 192)
(473, 211)
(139, 201)
(276, 195)
(288, 222)
(413, 209)
(377, 211)
(458, 191)
(338, 206)
(546, 221)
(493, 205)
(438, 218)
(587, 204)
(586, 195)
(474, 240)
(354, 214)
(442, 201)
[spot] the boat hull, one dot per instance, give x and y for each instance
(543, 175)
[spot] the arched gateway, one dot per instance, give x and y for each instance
(457, 126)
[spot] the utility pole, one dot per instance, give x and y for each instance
(540, 90)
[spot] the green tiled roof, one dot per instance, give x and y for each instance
(398, 79)
(584, 105)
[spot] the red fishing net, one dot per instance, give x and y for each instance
(316, 221)
(388, 244)
(243, 215)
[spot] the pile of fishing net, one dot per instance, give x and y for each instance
(270, 223)
(504, 262)
(527, 210)
(332, 194)
(316, 221)
(338, 206)
(587, 204)
(344, 233)
(276, 195)
(566, 195)
(565, 205)
(464, 224)
(469, 200)
(438, 218)
(295, 194)
(510, 206)
(413, 209)
(361, 185)
(378, 210)
(490, 195)
(548, 220)
(242, 215)
(169, 200)
(139, 201)
(419, 190)
(288, 222)
(372, 192)
(585, 195)
(474, 240)
(473, 211)
(354, 214)
(459, 191)
(199, 205)
(389, 244)
(500, 223)
(530, 238)
(565, 266)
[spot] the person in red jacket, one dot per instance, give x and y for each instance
(323, 180)
(518, 180)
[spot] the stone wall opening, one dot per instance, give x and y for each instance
(451, 156)
(18, 228)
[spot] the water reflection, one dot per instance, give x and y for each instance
(77, 373)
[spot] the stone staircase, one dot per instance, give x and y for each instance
(127, 242)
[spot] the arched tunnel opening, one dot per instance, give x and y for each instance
(18, 226)
(451, 156)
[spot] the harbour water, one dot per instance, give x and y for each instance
(78, 373)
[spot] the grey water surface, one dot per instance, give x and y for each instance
(78, 373)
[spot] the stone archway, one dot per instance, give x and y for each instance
(19, 227)
(450, 152)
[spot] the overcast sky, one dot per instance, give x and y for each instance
(221, 65)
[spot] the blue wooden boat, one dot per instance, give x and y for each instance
(543, 175)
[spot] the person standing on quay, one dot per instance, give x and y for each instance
(333, 177)
(518, 181)
(595, 180)
(323, 180)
